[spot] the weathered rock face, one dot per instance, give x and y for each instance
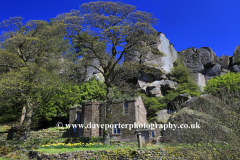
(171, 54)
(212, 71)
(191, 59)
(236, 68)
(200, 80)
(207, 56)
(236, 56)
(224, 61)
(159, 88)
(151, 60)
(202, 63)
(142, 85)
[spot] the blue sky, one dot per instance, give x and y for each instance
(186, 23)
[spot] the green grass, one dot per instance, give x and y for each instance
(176, 145)
(54, 129)
(4, 158)
(4, 128)
(112, 147)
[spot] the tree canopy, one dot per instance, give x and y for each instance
(31, 61)
(106, 31)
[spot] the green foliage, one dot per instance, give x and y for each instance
(31, 62)
(27, 87)
(152, 104)
(157, 52)
(70, 94)
(227, 82)
(186, 85)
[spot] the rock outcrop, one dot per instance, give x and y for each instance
(224, 61)
(203, 64)
(151, 60)
(236, 56)
(171, 54)
(91, 71)
(210, 113)
(159, 88)
(162, 116)
(177, 102)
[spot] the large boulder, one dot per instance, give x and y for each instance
(154, 89)
(202, 63)
(235, 68)
(212, 115)
(200, 127)
(162, 116)
(177, 101)
(224, 61)
(191, 60)
(159, 88)
(212, 71)
(142, 85)
(207, 56)
(198, 59)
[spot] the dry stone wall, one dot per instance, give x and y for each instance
(126, 154)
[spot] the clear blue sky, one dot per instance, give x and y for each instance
(186, 23)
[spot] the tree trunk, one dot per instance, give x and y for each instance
(25, 127)
(23, 115)
(106, 133)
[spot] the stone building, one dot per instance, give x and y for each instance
(124, 111)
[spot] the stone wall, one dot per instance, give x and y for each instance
(140, 111)
(35, 135)
(74, 110)
(127, 154)
(91, 114)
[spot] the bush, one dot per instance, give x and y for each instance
(152, 105)
(227, 82)
(181, 75)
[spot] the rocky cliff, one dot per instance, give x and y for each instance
(202, 63)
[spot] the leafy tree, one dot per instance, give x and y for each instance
(106, 31)
(9, 61)
(69, 94)
(33, 61)
(152, 105)
(27, 88)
